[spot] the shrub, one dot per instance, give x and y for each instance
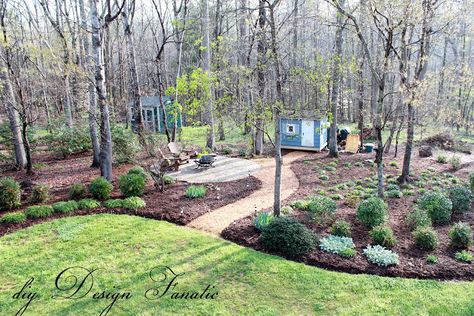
(418, 218)
(300, 204)
(125, 144)
(442, 159)
(65, 207)
(394, 194)
(69, 140)
(461, 235)
(380, 256)
(426, 238)
(116, 203)
(133, 203)
(393, 163)
(288, 236)
(431, 259)
(39, 211)
(392, 187)
(167, 179)
(132, 185)
(348, 253)
(383, 236)
(262, 220)
(336, 244)
(138, 171)
(196, 191)
(286, 210)
(88, 204)
(461, 198)
(100, 188)
(13, 218)
(39, 193)
(341, 228)
(323, 177)
(336, 197)
(372, 212)
(438, 206)
(10, 194)
(77, 191)
(464, 256)
(321, 208)
(455, 162)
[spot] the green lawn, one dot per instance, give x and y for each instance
(125, 248)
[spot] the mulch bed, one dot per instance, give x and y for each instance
(412, 261)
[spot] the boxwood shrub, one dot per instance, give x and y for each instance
(418, 218)
(461, 198)
(39, 211)
(372, 212)
(39, 193)
(288, 236)
(426, 238)
(461, 235)
(132, 185)
(383, 236)
(138, 171)
(10, 194)
(100, 188)
(438, 206)
(13, 218)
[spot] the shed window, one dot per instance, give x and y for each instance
(291, 129)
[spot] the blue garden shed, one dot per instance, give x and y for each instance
(308, 133)
(152, 113)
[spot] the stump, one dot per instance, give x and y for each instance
(425, 151)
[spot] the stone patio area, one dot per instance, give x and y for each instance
(225, 169)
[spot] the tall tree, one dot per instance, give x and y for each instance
(206, 66)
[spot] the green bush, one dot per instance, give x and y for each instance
(426, 238)
(321, 208)
(132, 185)
(323, 177)
(380, 256)
(138, 171)
(39, 211)
(372, 212)
(65, 206)
(125, 143)
(438, 206)
(69, 140)
(10, 194)
(393, 163)
(288, 236)
(88, 204)
(394, 194)
(383, 236)
(167, 179)
(39, 193)
(116, 203)
(341, 228)
(300, 204)
(100, 188)
(133, 203)
(337, 245)
(196, 191)
(286, 210)
(418, 218)
(13, 218)
(461, 198)
(77, 191)
(431, 259)
(464, 256)
(455, 162)
(262, 220)
(442, 159)
(461, 235)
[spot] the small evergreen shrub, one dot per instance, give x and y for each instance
(10, 194)
(13, 218)
(138, 171)
(69, 140)
(88, 204)
(39, 193)
(438, 206)
(372, 212)
(65, 206)
(262, 220)
(426, 238)
(461, 235)
(286, 210)
(455, 162)
(167, 179)
(341, 228)
(196, 191)
(77, 191)
(132, 185)
(380, 256)
(125, 143)
(336, 244)
(464, 256)
(394, 194)
(461, 199)
(300, 204)
(115, 203)
(431, 259)
(442, 159)
(418, 218)
(288, 236)
(39, 211)
(133, 203)
(321, 208)
(100, 188)
(383, 236)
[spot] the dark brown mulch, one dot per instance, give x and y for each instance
(412, 261)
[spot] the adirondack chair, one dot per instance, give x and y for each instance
(177, 154)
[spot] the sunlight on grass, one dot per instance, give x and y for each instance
(126, 248)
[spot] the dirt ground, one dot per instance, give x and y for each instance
(412, 261)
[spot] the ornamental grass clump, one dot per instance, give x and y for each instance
(262, 220)
(196, 191)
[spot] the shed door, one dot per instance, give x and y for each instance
(307, 133)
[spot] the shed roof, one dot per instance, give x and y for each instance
(306, 115)
(150, 100)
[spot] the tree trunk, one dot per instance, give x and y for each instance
(261, 62)
(211, 141)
